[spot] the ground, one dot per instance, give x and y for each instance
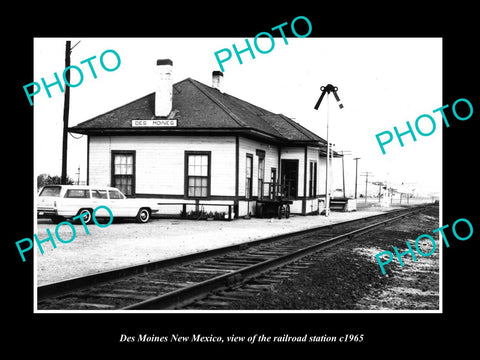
(343, 277)
(126, 243)
(348, 277)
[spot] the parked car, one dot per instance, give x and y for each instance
(60, 202)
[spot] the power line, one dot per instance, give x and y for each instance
(75, 137)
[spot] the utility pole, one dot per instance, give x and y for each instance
(366, 174)
(66, 109)
(66, 106)
(330, 176)
(356, 174)
(380, 184)
(344, 152)
(409, 190)
(392, 192)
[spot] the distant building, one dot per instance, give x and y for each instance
(193, 145)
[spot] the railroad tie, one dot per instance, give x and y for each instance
(97, 306)
(121, 296)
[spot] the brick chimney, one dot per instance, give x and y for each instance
(217, 80)
(163, 92)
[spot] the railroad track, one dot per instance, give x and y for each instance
(209, 279)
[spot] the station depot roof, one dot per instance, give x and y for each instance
(198, 109)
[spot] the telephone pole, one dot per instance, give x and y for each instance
(380, 184)
(344, 152)
(66, 109)
(356, 174)
(366, 174)
(66, 106)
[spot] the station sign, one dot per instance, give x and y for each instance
(155, 123)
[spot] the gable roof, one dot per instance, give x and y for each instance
(199, 108)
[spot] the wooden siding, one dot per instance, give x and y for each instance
(160, 168)
(322, 175)
(313, 155)
(271, 161)
(160, 162)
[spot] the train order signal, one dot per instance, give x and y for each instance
(327, 90)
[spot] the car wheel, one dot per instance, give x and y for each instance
(280, 211)
(143, 215)
(87, 215)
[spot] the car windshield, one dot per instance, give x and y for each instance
(51, 191)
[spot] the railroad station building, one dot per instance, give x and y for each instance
(194, 146)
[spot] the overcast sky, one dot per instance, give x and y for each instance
(382, 83)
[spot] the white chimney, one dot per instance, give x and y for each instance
(163, 92)
(217, 80)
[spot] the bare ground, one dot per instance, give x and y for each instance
(348, 277)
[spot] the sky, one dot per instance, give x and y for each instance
(382, 83)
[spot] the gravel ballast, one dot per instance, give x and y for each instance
(127, 243)
(348, 277)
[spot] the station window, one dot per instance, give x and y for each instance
(312, 184)
(261, 176)
(197, 168)
(123, 171)
(248, 176)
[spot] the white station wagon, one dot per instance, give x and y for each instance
(60, 202)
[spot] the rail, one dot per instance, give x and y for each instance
(197, 291)
(81, 283)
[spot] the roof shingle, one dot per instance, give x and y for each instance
(197, 106)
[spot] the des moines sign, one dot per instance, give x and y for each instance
(160, 123)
